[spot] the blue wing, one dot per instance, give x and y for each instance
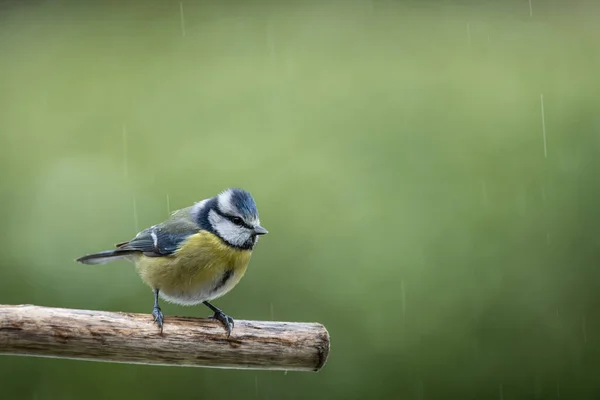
(163, 239)
(154, 242)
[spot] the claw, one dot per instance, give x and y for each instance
(225, 319)
(158, 317)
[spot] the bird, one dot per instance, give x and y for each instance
(197, 255)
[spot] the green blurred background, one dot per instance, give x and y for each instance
(395, 150)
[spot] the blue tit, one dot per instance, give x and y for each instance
(198, 254)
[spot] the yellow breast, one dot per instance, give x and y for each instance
(204, 268)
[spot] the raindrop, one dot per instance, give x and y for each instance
(530, 9)
(135, 215)
(469, 33)
(182, 18)
(484, 192)
(403, 296)
(125, 155)
(543, 125)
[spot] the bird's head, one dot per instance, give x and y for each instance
(233, 216)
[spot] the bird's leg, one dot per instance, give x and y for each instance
(156, 312)
(221, 316)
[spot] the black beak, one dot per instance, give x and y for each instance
(259, 230)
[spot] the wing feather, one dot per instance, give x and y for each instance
(162, 239)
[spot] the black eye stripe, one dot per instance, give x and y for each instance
(237, 221)
(231, 218)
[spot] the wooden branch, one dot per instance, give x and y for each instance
(134, 338)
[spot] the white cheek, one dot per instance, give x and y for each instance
(232, 233)
(228, 230)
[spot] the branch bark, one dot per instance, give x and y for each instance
(29, 330)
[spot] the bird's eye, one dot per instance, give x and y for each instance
(237, 220)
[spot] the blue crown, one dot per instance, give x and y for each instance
(243, 202)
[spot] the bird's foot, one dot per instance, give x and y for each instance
(225, 319)
(158, 317)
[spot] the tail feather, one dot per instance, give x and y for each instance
(103, 257)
